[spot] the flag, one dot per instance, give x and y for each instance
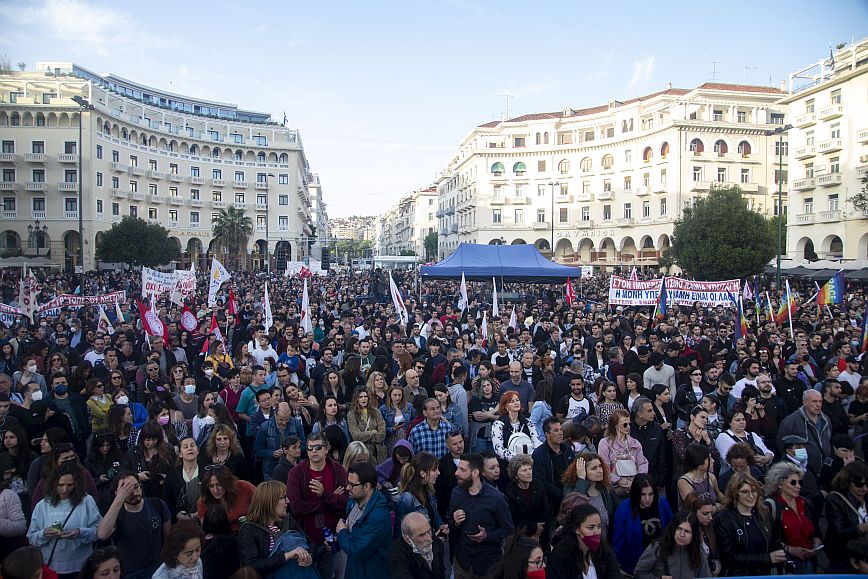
(513, 320)
(784, 312)
(771, 310)
(791, 309)
(231, 307)
(485, 329)
(863, 339)
(219, 276)
(462, 299)
(27, 295)
(741, 326)
(634, 275)
(747, 293)
(266, 306)
(218, 335)
(570, 293)
(285, 120)
(306, 322)
(660, 306)
(151, 322)
(118, 313)
(495, 309)
(398, 302)
(188, 319)
(193, 266)
(103, 324)
(833, 291)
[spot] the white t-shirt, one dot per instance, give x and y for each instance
(575, 407)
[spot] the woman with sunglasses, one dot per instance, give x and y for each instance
(791, 516)
(220, 486)
(99, 404)
(57, 364)
(176, 378)
(845, 513)
(688, 396)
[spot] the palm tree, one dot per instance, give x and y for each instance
(232, 228)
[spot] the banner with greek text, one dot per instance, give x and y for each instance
(679, 292)
(74, 302)
(9, 315)
(157, 282)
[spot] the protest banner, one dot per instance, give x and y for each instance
(633, 292)
(679, 292)
(157, 282)
(73, 302)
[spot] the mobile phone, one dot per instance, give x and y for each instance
(818, 548)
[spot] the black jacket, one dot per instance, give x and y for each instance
(253, 548)
(653, 441)
(843, 524)
(220, 556)
(82, 415)
(528, 515)
(405, 564)
(733, 548)
(565, 561)
(446, 481)
(685, 401)
(548, 467)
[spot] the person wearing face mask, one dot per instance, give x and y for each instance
(74, 406)
(187, 401)
(417, 554)
(581, 550)
(208, 380)
(796, 453)
(523, 558)
(28, 373)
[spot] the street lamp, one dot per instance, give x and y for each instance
(780, 132)
(267, 217)
(552, 185)
(84, 105)
(35, 233)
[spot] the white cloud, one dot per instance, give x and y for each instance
(643, 70)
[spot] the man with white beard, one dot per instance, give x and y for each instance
(417, 553)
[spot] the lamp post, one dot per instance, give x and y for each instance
(552, 185)
(35, 232)
(83, 105)
(780, 132)
(267, 218)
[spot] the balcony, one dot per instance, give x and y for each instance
(641, 191)
(172, 223)
(806, 152)
(701, 186)
(195, 202)
(832, 112)
(218, 183)
(585, 224)
(8, 186)
(118, 194)
(260, 228)
(10, 215)
(36, 186)
(862, 172)
(584, 197)
(439, 213)
(449, 210)
(174, 200)
(805, 120)
(8, 158)
(563, 198)
(116, 218)
(497, 201)
(863, 136)
(830, 146)
(262, 206)
(829, 216)
(218, 204)
(156, 199)
(804, 184)
(453, 228)
(134, 196)
(805, 218)
(261, 186)
(175, 177)
(196, 180)
(520, 200)
(283, 227)
(153, 221)
(444, 231)
(67, 186)
(541, 225)
(35, 157)
(37, 214)
(138, 171)
(118, 168)
(239, 184)
(829, 180)
(194, 225)
(70, 214)
(626, 221)
(604, 195)
(748, 187)
(100, 216)
(67, 158)
(156, 175)
(658, 188)
(240, 205)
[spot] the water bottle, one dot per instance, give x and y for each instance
(331, 540)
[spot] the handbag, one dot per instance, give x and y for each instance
(57, 539)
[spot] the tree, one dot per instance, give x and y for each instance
(407, 252)
(232, 229)
(860, 199)
(721, 238)
(136, 242)
(430, 244)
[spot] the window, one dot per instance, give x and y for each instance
(194, 217)
(586, 164)
(260, 220)
(173, 192)
(663, 207)
(216, 173)
(741, 116)
(260, 157)
(836, 97)
(586, 187)
(99, 206)
(564, 167)
(809, 170)
(39, 204)
(152, 189)
(216, 196)
(663, 176)
(696, 147)
(214, 135)
(518, 142)
(628, 183)
(237, 138)
(777, 118)
(495, 216)
(782, 148)
(239, 198)
(69, 147)
(173, 168)
(519, 215)
(608, 161)
(173, 215)
(283, 221)
(260, 140)
(8, 175)
(116, 156)
(116, 209)
(70, 204)
(646, 209)
(628, 210)
(116, 183)
(721, 148)
(39, 175)
(565, 138)
(745, 176)
(283, 199)
(538, 139)
(588, 136)
(563, 215)
(519, 191)
(835, 165)
(262, 177)
(99, 179)
(744, 149)
(498, 191)
(717, 115)
(835, 131)
(809, 205)
(9, 204)
(70, 176)
(261, 199)
(586, 212)
(38, 147)
(134, 161)
(15, 120)
(99, 151)
(194, 171)
(833, 202)
(540, 215)
(721, 175)
(778, 176)
(809, 137)
(239, 176)
(541, 166)
(194, 194)
(628, 156)
(540, 190)
(697, 173)
(565, 189)
(809, 106)
(646, 179)
(152, 213)
(152, 165)
(283, 179)
(607, 212)
(647, 154)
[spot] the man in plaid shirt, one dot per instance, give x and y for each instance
(430, 434)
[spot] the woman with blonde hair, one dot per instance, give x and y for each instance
(223, 448)
(366, 424)
(397, 414)
(356, 453)
(376, 387)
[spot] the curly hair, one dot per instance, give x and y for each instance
(778, 474)
(570, 477)
(222, 430)
(515, 463)
(79, 489)
(738, 480)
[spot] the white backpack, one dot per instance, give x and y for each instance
(519, 443)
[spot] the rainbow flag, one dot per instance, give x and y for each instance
(784, 313)
(660, 306)
(742, 326)
(864, 337)
(833, 291)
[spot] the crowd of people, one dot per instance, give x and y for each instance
(582, 441)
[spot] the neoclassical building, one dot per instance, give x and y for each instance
(604, 185)
(167, 158)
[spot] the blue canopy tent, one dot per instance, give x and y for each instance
(507, 263)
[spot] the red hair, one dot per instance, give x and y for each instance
(506, 399)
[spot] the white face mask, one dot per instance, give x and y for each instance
(32, 368)
(36, 396)
(123, 400)
(207, 420)
(190, 389)
(209, 372)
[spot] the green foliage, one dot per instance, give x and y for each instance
(136, 242)
(431, 245)
(407, 252)
(353, 248)
(232, 229)
(720, 238)
(860, 199)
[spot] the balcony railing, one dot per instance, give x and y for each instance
(36, 186)
(806, 152)
(173, 200)
(828, 216)
(8, 158)
(805, 218)
(805, 120)
(218, 182)
(67, 186)
(197, 180)
(832, 112)
(70, 214)
(37, 214)
(175, 177)
(641, 191)
(239, 184)
(218, 204)
(67, 158)
(829, 180)
(10, 215)
(8, 186)
(35, 157)
(804, 184)
(831, 146)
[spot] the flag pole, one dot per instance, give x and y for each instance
(790, 311)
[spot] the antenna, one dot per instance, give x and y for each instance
(753, 70)
(507, 97)
(713, 70)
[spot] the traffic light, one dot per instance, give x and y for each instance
(325, 264)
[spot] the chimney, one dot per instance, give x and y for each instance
(783, 86)
(668, 86)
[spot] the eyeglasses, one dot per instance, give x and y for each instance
(315, 447)
(538, 563)
(794, 483)
(859, 483)
(116, 378)
(213, 467)
(696, 373)
(353, 485)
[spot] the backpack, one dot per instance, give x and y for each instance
(519, 443)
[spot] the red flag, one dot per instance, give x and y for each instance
(570, 293)
(231, 307)
(188, 320)
(152, 324)
(214, 329)
(634, 275)
(305, 272)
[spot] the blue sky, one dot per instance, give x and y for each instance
(384, 91)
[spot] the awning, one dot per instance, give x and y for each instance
(498, 168)
(519, 167)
